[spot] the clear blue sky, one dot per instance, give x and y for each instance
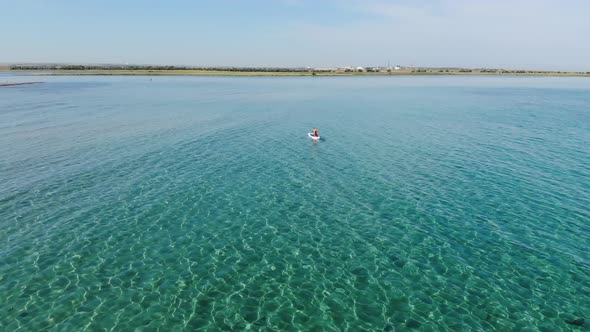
(530, 34)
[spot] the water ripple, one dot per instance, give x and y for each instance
(199, 204)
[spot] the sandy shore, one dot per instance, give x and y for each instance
(287, 73)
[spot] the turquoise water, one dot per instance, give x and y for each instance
(199, 203)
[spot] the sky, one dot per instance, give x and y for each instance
(511, 34)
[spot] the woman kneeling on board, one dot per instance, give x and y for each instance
(314, 135)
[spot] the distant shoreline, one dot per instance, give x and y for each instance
(79, 70)
(286, 73)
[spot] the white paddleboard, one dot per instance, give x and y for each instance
(315, 138)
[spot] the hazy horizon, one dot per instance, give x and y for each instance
(522, 34)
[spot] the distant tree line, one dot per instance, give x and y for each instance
(135, 67)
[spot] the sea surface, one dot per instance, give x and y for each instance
(200, 204)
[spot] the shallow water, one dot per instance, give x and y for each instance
(174, 203)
